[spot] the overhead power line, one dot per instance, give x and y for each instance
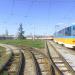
(12, 8)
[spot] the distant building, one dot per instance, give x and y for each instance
(29, 37)
(4, 37)
(39, 37)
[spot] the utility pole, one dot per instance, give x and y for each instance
(56, 27)
(6, 32)
(33, 32)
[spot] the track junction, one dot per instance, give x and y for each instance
(55, 60)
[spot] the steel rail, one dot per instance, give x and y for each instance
(55, 70)
(30, 63)
(8, 56)
(42, 62)
(69, 68)
(14, 64)
(17, 56)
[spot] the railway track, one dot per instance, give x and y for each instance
(58, 60)
(4, 58)
(14, 64)
(36, 63)
(44, 66)
(30, 65)
(26, 62)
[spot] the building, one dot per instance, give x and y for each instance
(39, 37)
(4, 37)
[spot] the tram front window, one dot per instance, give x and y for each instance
(68, 31)
(73, 31)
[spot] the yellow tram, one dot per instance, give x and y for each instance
(66, 36)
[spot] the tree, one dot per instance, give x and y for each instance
(20, 32)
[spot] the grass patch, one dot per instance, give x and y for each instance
(4, 73)
(30, 43)
(2, 50)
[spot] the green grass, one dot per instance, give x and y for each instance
(2, 50)
(30, 43)
(4, 73)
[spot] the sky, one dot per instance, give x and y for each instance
(40, 17)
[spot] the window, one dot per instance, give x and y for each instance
(73, 31)
(73, 27)
(68, 31)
